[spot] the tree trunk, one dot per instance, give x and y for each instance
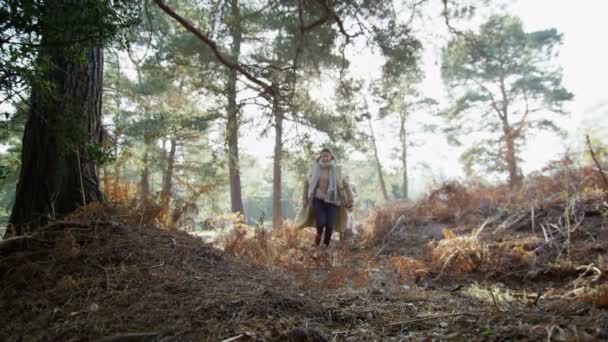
(117, 165)
(509, 137)
(277, 217)
(105, 180)
(403, 138)
(144, 188)
(511, 159)
(378, 164)
(232, 129)
(57, 173)
(168, 176)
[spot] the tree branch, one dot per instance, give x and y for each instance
(335, 17)
(203, 37)
(305, 27)
(492, 99)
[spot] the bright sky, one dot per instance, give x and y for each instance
(584, 58)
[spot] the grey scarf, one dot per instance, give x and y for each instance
(332, 193)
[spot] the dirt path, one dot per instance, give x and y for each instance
(367, 296)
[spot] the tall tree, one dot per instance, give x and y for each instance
(232, 110)
(61, 141)
(372, 139)
(298, 36)
(399, 97)
(396, 90)
(504, 80)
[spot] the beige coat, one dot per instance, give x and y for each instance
(306, 216)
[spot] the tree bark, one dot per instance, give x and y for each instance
(117, 165)
(509, 138)
(144, 187)
(277, 217)
(232, 129)
(57, 173)
(377, 158)
(403, 138)
(511, 158)
(168, 175)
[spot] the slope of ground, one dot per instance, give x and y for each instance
(462, 264)
(83, 279)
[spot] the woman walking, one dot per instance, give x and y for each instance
(326, 199)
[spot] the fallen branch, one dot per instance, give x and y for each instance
(597, 163)
(151, 336)
(432, 317)
(486, 222)
(15, 243)
(397, 224)
(494, 299)
(587, 269)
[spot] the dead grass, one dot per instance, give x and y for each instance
(108, 269)
(99, 273)
(472, 202)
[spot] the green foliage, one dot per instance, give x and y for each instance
(401, 50)
(11, 131)
(28, 26)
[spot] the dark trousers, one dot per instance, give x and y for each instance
(325, 216)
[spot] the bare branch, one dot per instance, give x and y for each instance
(492, 99)
(597, 163)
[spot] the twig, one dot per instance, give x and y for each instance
(511, 221)
(233, 338)
(486, 222)
(550, 332)
(493, 299)
(597, 163)
(587, 269)
(397, 224)
(162, 263)
(544, 233)
(432, 317)
(107, 278)
(537, 298)
(600, 170)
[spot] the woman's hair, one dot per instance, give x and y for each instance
(325, 149)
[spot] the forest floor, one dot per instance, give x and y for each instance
(413, 273)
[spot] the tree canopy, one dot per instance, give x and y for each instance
(503, 81)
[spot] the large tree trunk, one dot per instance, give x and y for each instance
(57, 173)
(232, 129)
(378, 164)
(277, 217)
(168, 175)
(403, 138)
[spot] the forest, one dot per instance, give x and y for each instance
(303, 170)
